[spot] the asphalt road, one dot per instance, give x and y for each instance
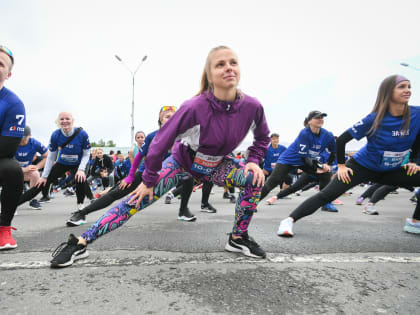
(337, 263)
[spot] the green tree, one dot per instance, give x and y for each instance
(101, 143)
(111, 143)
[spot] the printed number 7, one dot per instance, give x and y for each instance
(20, 118)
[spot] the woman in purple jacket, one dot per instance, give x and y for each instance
(205, 130)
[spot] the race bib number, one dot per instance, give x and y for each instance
(393, 159)
(205, 164)
(70, 158)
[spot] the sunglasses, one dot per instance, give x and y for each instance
(7, 51)
(165, 108)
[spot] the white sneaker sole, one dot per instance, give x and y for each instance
(243, 250)
(75, 223)
(72, 260)
(188, 219)
(8, 246)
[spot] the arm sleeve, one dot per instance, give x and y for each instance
(136, 162)
(259, 147)
(415, 149)
(331, 158)
(310, 164)
(84, 160)
(52, 155)
(341, 146)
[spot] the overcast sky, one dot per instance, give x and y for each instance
(295, 56)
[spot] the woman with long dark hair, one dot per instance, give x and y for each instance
(392, 130)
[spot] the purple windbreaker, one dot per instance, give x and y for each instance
(207, 130)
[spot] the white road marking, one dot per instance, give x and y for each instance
(222, 259)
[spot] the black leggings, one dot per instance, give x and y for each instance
(280, 174)
(370, 191)
(301, 183)
(11, 181)
(58, 170)
(114, 194)
(380, 192)
(187, 188)
(360, 174)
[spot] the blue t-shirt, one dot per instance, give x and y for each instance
(72, 153)
(25, 154)
(387, 148)
(271, 157)
(309, 145)
(12, 114)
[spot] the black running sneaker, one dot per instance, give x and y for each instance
(77, 218)
(34, 204)
(226, 195)
(186, 215)
(208, 208)
(66, 253)
(45, 199)
(245, 245)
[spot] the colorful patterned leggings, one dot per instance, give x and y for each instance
(229, 173)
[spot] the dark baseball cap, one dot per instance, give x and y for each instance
(316, 114)
(274, 135)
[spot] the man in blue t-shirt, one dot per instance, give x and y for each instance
(25, 154)
(12, 126)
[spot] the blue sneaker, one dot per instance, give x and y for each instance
(412, 227)
(329, 207)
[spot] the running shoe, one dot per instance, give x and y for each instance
(298, 193)
(69, 192)
(329, 207)
(186, 215)
(272, 200)
(66, 253)
(359, 201)
(226, 195)
(245, 245)
(285, 228)
(45, 199)
(370, 209)
(34, 204)
(208, 208)
(77, 218)
(6, 239)
(232, 199)
(412, 227)
(337, 202)
(168, 198)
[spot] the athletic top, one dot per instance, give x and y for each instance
(12, 114)
(72, 153)
(272, 156)
(387, 148)
(307, 144)
(208, 129)
(25, 154)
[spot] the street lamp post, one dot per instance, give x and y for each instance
(133, 74)
(409, 66)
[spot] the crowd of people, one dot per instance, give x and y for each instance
(194, 147)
